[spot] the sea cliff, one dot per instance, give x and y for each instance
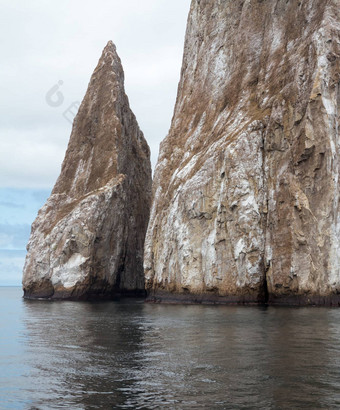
(246, 189)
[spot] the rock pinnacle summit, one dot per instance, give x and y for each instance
(87, 241)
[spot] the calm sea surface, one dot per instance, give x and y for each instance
(131, 355)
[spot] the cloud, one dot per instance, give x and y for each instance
(20, 206)
(11, 205)
(40, 196)
(14, 237)
(46, 44)
(35, 158)
(11, 266)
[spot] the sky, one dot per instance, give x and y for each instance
(49, 51)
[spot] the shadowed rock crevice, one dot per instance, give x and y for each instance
(88, 239)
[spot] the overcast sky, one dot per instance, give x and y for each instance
(43, 43)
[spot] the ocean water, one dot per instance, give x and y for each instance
(132, 355)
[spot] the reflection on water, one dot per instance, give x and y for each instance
(135, 355)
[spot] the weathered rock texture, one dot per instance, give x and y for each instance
(246, 190)
(88, 239)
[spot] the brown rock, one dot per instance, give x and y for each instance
(246, 189)
(88, 239)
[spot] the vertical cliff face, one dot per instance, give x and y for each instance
(246, 189)
(88, 239)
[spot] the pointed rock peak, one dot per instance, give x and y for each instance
(110, 59)
(97, 131)
(110, 46)
(110, 49)
(88, 239)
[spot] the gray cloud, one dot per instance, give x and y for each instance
(47, 42)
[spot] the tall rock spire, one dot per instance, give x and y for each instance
(246, 190)
(88, 239)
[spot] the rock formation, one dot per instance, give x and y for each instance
(246, 189)
(88, 239)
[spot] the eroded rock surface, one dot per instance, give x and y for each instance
(88, 239)
(246, 189)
